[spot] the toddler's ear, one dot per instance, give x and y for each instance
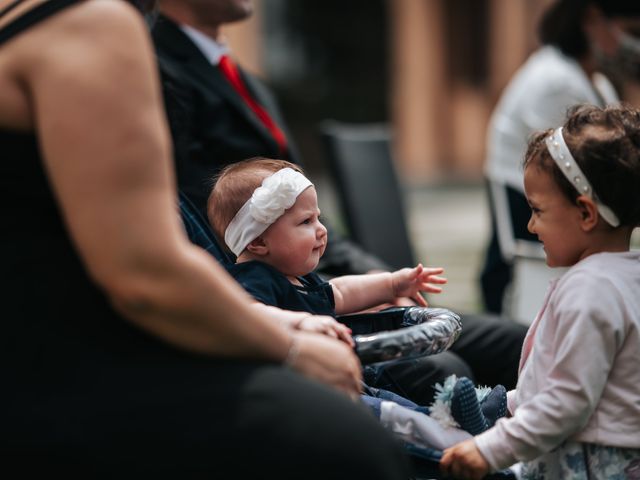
(588, 211)
(258, 246)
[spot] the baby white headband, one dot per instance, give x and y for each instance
(268, 202)
(562, 156)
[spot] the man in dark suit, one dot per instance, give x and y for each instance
(214, 124)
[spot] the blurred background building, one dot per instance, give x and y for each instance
(432, 69)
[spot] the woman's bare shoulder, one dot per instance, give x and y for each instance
(89, 49)
(96, 24)
(89, 31)
(99, 19)
(93, 34)
(106, 13)
(96, 12)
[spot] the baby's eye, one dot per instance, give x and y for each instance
(306, 221)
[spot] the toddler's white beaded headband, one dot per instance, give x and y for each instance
(277, 193)
(566, 163)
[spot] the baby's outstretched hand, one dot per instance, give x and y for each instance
(465, 461)
(327, 326)
(409, 282)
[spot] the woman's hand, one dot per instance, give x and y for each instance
(409, 282)
(327, 326)
(464, 461)
(307, 322)
(327, 360)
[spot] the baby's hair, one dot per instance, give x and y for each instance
(235, 184)
(605, 143)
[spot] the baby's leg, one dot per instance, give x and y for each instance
(388, 395)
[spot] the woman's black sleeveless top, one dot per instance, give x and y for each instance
(56, 326)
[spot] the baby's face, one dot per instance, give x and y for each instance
(297, 240)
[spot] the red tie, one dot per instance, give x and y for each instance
(233, 76)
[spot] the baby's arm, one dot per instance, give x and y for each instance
(307, 322)
(353, 293)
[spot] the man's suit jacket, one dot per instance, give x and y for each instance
(212, 127)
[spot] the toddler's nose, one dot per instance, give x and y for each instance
(530, 225)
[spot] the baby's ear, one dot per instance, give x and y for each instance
(588, 211)
(258, 246)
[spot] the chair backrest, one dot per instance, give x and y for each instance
(531, 275)
(362, 167)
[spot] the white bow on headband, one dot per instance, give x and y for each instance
(268, 202)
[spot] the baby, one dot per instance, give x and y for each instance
(267, 212)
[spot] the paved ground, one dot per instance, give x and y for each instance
(449, 225)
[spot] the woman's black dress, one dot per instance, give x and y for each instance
(83, 391)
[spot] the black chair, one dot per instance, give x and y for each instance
(520, 249)
(370, 195)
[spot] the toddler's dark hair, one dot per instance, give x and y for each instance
(605, 143)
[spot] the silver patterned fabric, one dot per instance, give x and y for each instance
(423, 331)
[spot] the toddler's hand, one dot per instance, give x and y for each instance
(464, 460)
(327, 326)
(409, 282)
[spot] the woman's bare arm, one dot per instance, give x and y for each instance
(96, 104)
(90, 89)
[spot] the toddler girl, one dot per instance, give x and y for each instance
(576, 407)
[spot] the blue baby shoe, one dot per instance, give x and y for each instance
(494, 405)
(465, 407)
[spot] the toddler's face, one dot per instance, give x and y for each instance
(554, 219)
(297, 240)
